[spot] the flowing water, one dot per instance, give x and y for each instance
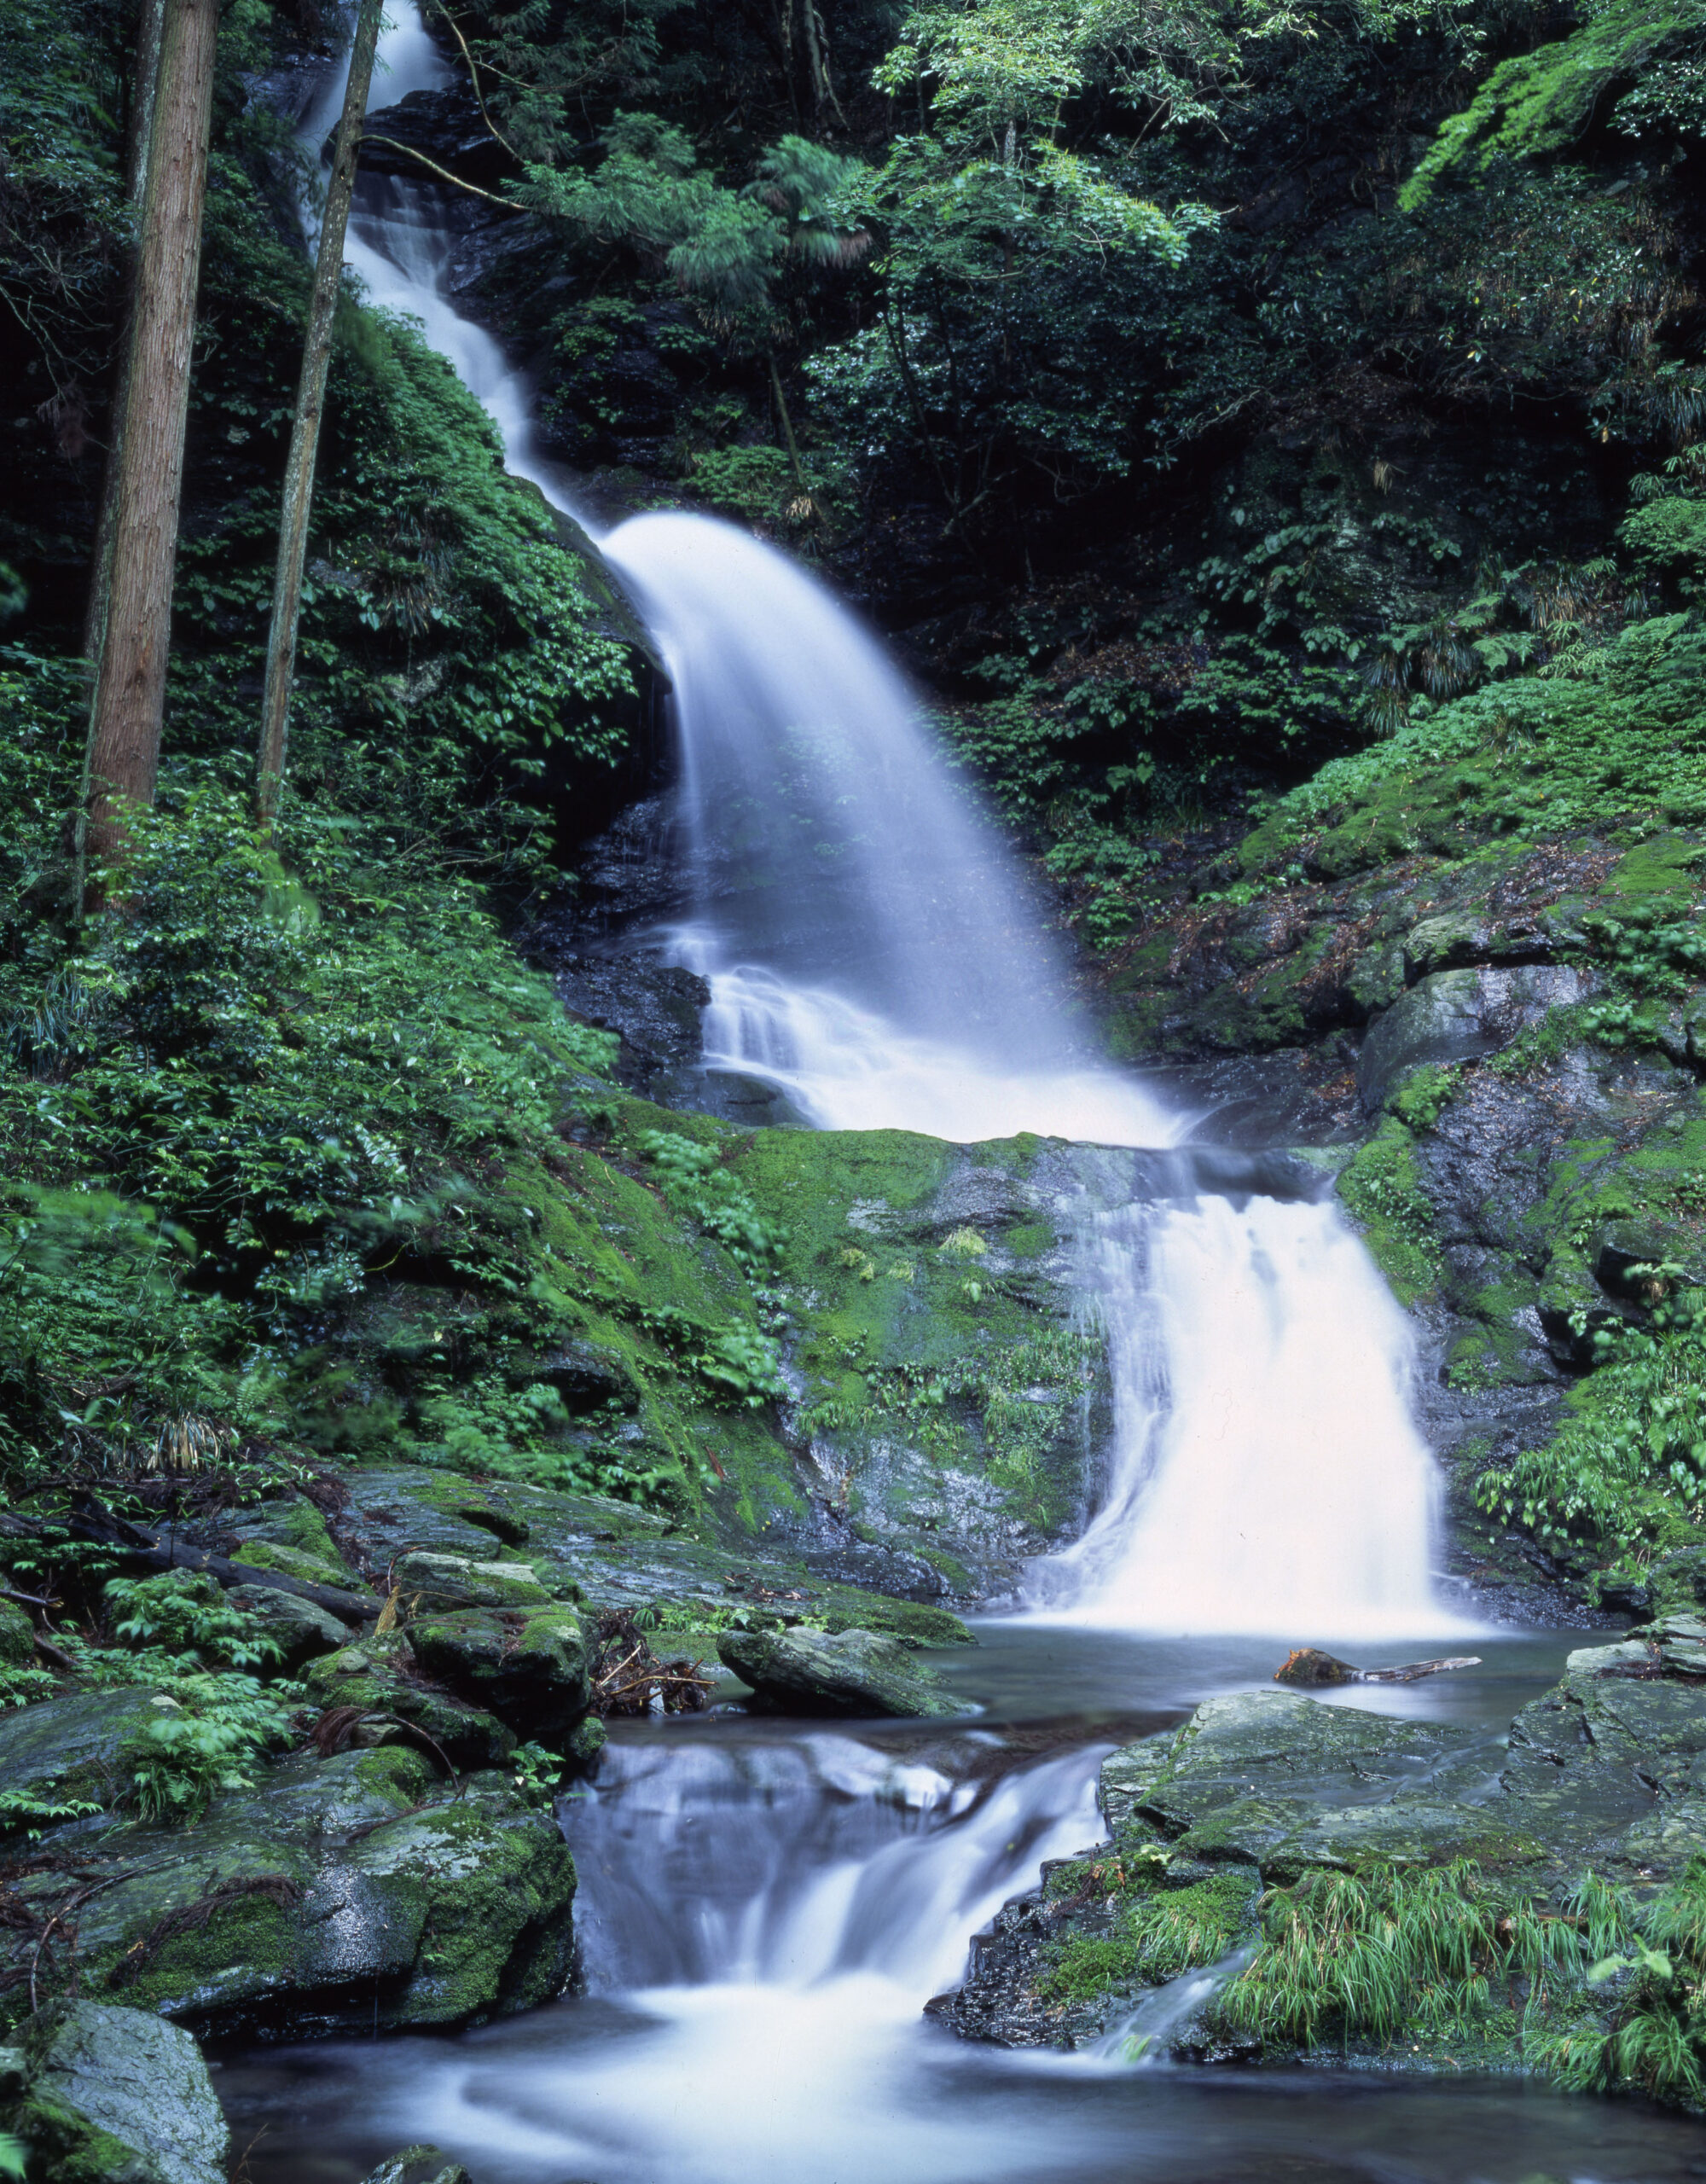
(766, 1909)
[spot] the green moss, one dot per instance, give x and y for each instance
(1541, 102)
(1424, 1095)
(1382, 1187)
(1158, 1933)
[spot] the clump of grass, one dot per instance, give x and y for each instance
(1373, 1955)
(1654, 2040)
(1159, 1936)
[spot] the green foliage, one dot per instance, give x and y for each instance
(186, 1614)
(1653, 2042)
(1540, 103)
(536, 1774)
(695, 1180)
(1377, 1954)
(24, 1812)
(210, 1728)
(1631, 1455)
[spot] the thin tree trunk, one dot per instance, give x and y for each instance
(305, 432)
(129, 696)
(788, 425)
(822, 90)
(148, 27)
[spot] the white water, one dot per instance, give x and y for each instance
(774, 1915)
(1266, 1474)
(873, 951)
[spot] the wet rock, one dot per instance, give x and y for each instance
(444, 125)
(417, 2165)
(69, 1747)
(1307, 1665)
(17, 1636)
(117, 2096)
(654, 1009)
(335, 1895)
(842, 1672)
(1454, 1016)
(298, 1629)
(530, 1671)
(434, 1584)
(586, 1377)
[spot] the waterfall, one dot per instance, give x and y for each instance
(874, 951)
(870, 943)
(1266, 1475)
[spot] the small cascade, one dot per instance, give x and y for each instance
(1266, 1474)
(813, 1858)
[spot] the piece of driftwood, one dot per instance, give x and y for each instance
(1308, 1666)
(1411, 1670)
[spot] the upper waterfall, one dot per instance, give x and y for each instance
(871, 943)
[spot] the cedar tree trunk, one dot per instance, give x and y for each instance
(305, 432)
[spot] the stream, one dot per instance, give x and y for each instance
(767, 1907)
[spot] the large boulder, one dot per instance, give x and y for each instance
(334, 1896)
(372, 1681)
(296, 1626)
(528, 1669)
(840, 1672)
(439, 1584)
(118, 2096)
(1453, 1016)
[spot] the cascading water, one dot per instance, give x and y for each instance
(874, 950)
(1266, 1475)
(871, 947)
(764, 1910)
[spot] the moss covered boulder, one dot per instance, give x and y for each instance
(431, 1584)
(528, 1669)
(117, 2096)
(335, 1895)
(840, 1672)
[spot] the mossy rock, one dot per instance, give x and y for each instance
(332, 1896)
(849, 1672)
(17, 1637)
(437, 1584)
(530, 1671)
(69, 1748)
(117, 2096)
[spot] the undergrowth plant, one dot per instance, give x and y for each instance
(1371, 1956)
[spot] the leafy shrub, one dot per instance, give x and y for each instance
(187, 1614)
(209, 1728)
(1632, 1448)
(696, 1182)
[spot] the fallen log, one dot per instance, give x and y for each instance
(146, 1550)
(1411, 1670)
(1307, 1666)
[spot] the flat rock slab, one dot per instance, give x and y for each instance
(857, 1672)
(1290, 1754)
(608, 1555)
(118, 2093)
